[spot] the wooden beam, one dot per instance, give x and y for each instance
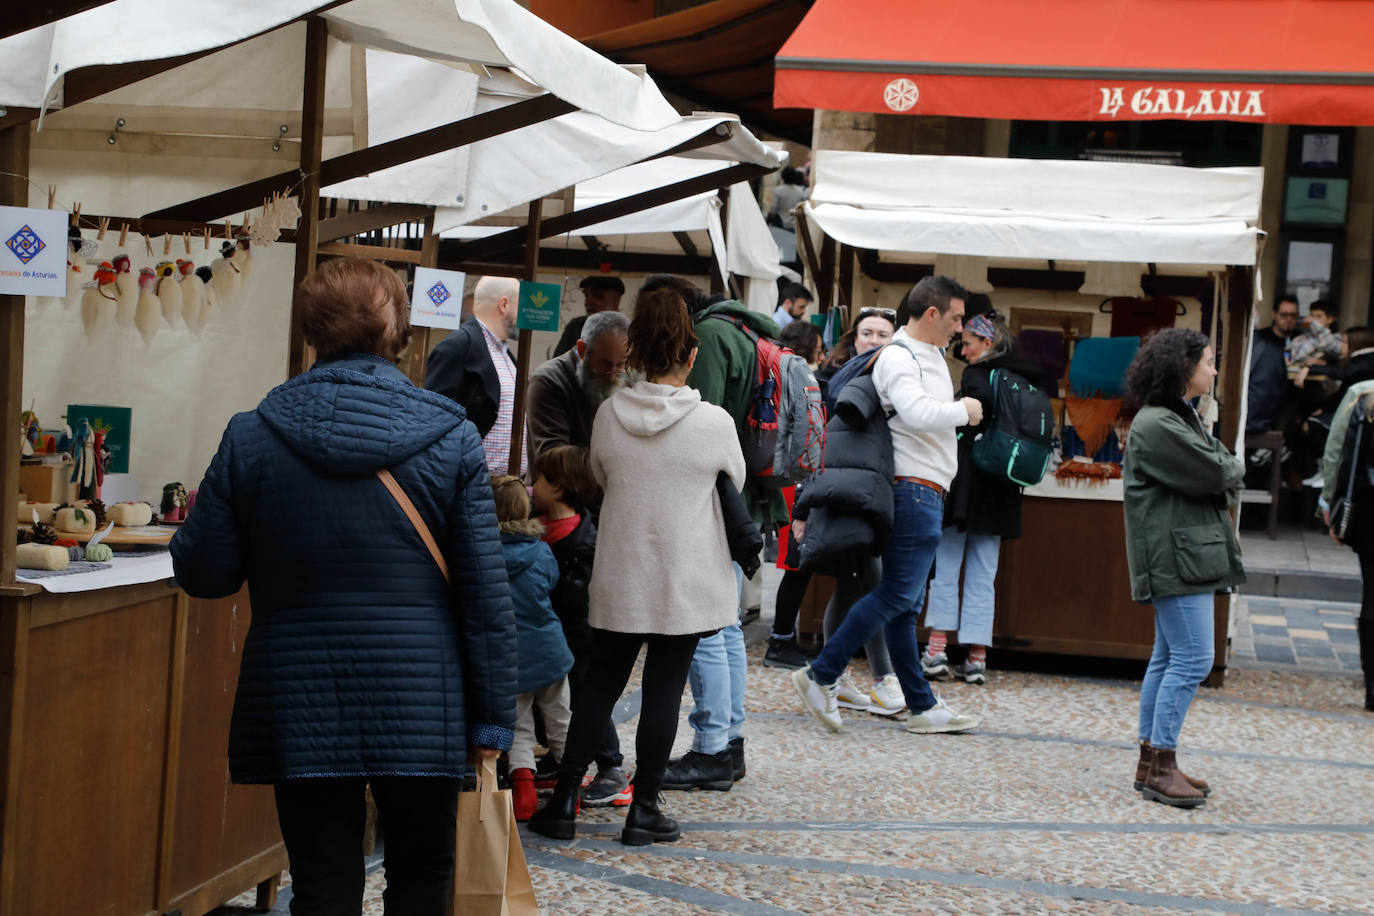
(522, 364)
(808, 251)
(1021, 278)
(847, 278)
(689, 247)
(157, 227)
(1238, 305)
(825, 283)
(375, 158)
(477, 249)
(312, 144)
(372, 218)
(24, 16)
(14, 192)
(375, 252)
(419, 343)
(623, 262)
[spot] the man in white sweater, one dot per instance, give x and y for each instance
(913, 383)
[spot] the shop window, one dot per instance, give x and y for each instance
(1192, 143)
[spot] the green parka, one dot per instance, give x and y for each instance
(724, 374)
(1179, 483)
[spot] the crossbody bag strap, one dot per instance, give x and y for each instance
(421, 528)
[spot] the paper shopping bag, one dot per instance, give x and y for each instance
(490, 877)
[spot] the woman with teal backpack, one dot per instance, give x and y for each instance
(982, 510)
(1181, 548)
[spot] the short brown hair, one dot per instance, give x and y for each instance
(566, 467)
(661, 336)
(512, 499)
(354, 305)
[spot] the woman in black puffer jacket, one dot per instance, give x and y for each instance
(362, 665)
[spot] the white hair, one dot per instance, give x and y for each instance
(489, 291)
(602, 322)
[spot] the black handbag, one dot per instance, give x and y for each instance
(1345, 506)
(742, 533)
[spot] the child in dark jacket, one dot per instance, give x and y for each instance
(564, 490)
(544, 657)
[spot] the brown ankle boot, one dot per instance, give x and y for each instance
(1142, 772)
(1167, 785)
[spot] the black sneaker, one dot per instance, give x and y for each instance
(610, 788)
(645, 824)
(748, 615)
(784, 653)
(737, 758)
(695, 770)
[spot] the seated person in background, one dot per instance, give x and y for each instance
(601, 293)
(1269, 386)
(1318, 341)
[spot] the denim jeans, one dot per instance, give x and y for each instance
(892, 605)
(848, 590)
(1182, 657)
(717, 677)
(977, 553)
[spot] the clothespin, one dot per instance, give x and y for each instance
(148, 243)
(123, 234)
(206, 230)
(52, 196)
(247, 221)
(76, 215)
(104, 225)
(228, 230)
(186, 240)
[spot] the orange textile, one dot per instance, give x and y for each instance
(1093, 419)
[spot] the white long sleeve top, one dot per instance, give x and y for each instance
(916, 385)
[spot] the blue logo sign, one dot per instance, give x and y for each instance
(25, 244)
(1316, 190)
(439, 294)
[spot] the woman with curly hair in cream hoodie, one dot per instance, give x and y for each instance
(663, 573)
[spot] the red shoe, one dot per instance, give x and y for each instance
(523, 797)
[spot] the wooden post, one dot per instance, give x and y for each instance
(14, 192)
(419, 342)
(1238, 304)
(825, 281)
(312, 146)
(847, 279)
(808, 250)
(522, 365)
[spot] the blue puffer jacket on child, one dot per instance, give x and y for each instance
(533, 573)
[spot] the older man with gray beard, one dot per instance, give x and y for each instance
(566, 391)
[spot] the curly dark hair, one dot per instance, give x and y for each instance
(1159, 374)
(661, 335)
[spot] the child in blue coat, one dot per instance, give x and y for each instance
(543, 651)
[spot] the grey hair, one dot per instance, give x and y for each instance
(602, 322)
(1002, 343)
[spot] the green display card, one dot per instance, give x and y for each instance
(118, 421)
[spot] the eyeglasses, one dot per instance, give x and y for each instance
(889, 314)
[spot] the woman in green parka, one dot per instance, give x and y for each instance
(1181, 547)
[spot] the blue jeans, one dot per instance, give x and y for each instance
(717, 677)
(892, 605)
(1182, 657)
(977, 553)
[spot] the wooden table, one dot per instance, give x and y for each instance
(114, 780)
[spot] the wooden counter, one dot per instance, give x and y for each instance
(114, 723)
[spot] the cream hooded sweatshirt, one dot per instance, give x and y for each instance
(662, 562)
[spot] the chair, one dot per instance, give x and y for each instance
(1272, 440)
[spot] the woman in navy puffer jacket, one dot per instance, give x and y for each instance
(361, 665)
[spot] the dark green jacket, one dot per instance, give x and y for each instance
(1179, 484)
(724, 374)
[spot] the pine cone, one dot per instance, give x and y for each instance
(25, 536)
(98, 508)
(40, 533)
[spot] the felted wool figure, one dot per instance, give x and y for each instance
(76, 276)
(99, 553)
(148, 318)
(226, 276)
(126, 290)
(83, 456)
(76, 520)
(130, 515)
(192, 294)
(242, 259)
(47, 513)
(41, 556)
(168, 292)
(209, 304)
(173, 505)
(99, 301)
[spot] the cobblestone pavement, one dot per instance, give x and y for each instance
(1296, 635)
(1031, 813)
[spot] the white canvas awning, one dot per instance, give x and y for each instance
(466, 33)
(1038, 209)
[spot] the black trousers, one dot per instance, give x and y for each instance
(1365, 623)
(665, 674)
(322, 824)
(608, 754)
(791, 592)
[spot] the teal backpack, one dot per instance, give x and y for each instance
(1014, 440)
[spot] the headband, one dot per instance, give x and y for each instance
(980, 326)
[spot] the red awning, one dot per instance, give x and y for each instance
(1278, 61)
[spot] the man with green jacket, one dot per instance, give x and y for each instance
(724, 374)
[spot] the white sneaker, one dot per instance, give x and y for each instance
(939, 718)
(850, 696)
(818, 700)
(886, 697)
(1316, 480)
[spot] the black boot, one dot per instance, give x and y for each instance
(695, 770)
(645, 824)
(737, 758)
(784, 653)
(557, 820)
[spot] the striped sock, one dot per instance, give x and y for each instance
(978, 654)
(937, 643)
